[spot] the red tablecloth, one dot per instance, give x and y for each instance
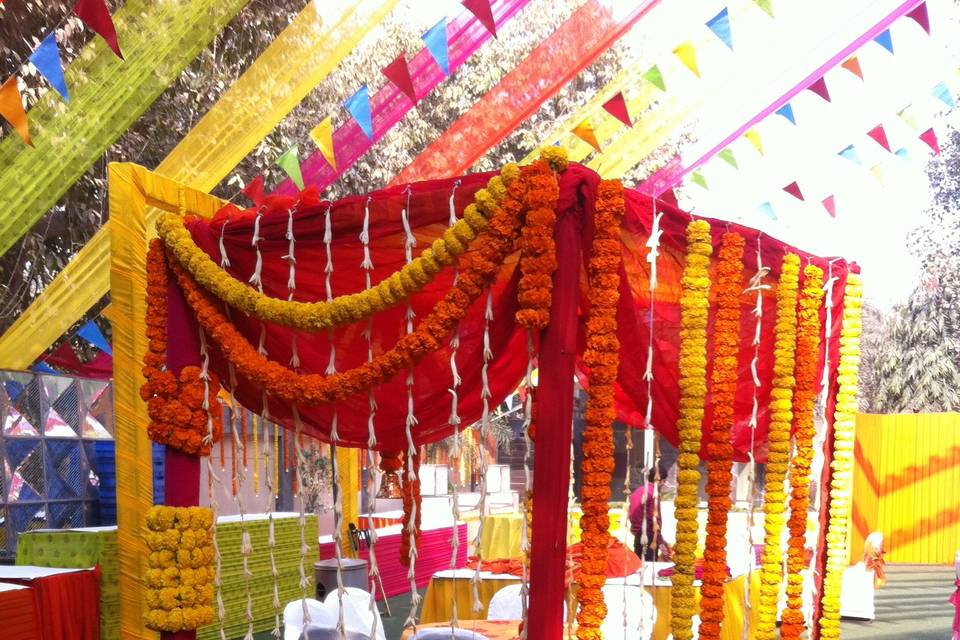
(434, 555)
(21, 621)
(67, 604)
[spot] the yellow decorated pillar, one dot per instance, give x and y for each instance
(348, 478)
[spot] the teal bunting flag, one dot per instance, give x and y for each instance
(720, 25)
(850, 153)
(885, 40)
(787, 112)
(942, 93)
(436, 42)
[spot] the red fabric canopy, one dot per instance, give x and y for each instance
(428, 212)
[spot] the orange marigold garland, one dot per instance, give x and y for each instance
(411, 498)
(602, 356)
(174, 404)
(726, 339)
(694, 311)
(805, 374)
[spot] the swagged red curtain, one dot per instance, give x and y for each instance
(428, 205)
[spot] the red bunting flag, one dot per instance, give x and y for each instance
(794, 189)
(820, 88)
(399, 74)
(852, 64)
(921, 16)
(830, 204)
(930, 137)
(95, 15)
(484, 13)
(254, 190)
(669, 197)
(11, 109)
(878, 134)
(617, 107)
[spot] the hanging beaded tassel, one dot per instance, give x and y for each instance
(455, 452)
(482, 446)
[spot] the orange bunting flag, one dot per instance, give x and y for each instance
(754, 137)
(688, 56)
(322, 136)
(585, 132)
(617, 107)
(852, 64)
(11, 108)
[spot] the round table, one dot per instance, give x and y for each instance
(500, 537)
(445, 585)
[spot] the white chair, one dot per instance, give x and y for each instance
(325, 616)
(857, 588)
(507, 605)
(640, 612)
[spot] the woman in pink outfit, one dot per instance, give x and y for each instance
(645, 512)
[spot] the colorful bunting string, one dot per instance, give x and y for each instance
(585, 132)
(399, 74)
(794, 189)
(787, 112)
(885, 40)
(902, 154)
(829, 203)
(436, 43)
(91, 333)
(46, 58)
(850, 153)
(906, 115)
(720, 26)
(767, 210)
(484, 13)
(359, 107)
(11, 109)
(766, 5)
(942, 93)
(688, 56)
(852, 64)
(94, 14)
(254, 191)
(697, 178)
(617, 107)
(753, 136)
(290, 163)
(880, 136)
(819, 87)
(322, 136)
(654, 77)
(930, 138)
(727, 156)
(921, 16)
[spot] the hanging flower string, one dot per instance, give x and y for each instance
(781, 417)
(483, 431)
(454, 422)
(726, 347)
(842, 464)
(602, 357)
(805, 373)
(694, 309)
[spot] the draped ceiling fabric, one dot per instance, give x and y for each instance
(428, 214)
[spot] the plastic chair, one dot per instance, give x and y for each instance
(507, 605)
(858, 585)
(640, 612)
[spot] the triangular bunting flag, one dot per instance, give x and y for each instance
(787, 112)
(930, 137)
(436, 42)
(942, 93)
(254, 190)
(669, 197)
(41, 367)
(767, 210)
(95, 15)
(697, 178)
(484, 13)
(617, 107)
(398, 73)
(885, 40)
(850, 153)
(322, 136)
(794, 189)
(754, 137)
(91, 333)
(880, 136)
(852, 64)
(720, 25)
(654, 77)
(877, 171)
(359, 107)
(290, 163)
(11, 109)
(921, 16)
(902, 154)
(907, 117)
(727, 156)
(830, 205)
(688, 56)
(46, 58)
(819, 87)
(585, 132)
(766, 5)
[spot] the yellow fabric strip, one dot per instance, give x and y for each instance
(348, 465)
(291, 66)
(107, 95)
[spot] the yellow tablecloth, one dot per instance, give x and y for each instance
(500, 537)
(438, 600)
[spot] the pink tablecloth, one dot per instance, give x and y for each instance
(434, 555)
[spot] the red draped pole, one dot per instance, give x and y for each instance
(551, 476)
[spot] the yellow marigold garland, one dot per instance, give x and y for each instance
(345, 309)
(694, 310)
(805, 372)
(180, 574)
(781, 417)
(602, 356)
(726, 341)
(842, 464)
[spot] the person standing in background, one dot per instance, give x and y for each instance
(645, 512)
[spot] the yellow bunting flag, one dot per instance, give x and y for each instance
(585, 132)
(322, 136)
(11, 109)
(879, 173)
(688, 56)
(754, 137)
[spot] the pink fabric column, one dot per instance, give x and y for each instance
(551, 475)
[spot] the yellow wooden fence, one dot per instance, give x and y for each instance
(906, 485)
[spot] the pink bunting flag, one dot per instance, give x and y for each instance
(878, 134)
(852, 64)
(829, 203)
(930, 137)
(484, 13)
(921, 16)
(254, 190)
(94, 14)
(399, 74)
(794, 189)
(820, 88)
(617, 107)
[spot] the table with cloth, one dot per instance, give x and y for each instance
(67, 601)
(21, 620)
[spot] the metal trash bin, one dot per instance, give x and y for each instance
(325, 572)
